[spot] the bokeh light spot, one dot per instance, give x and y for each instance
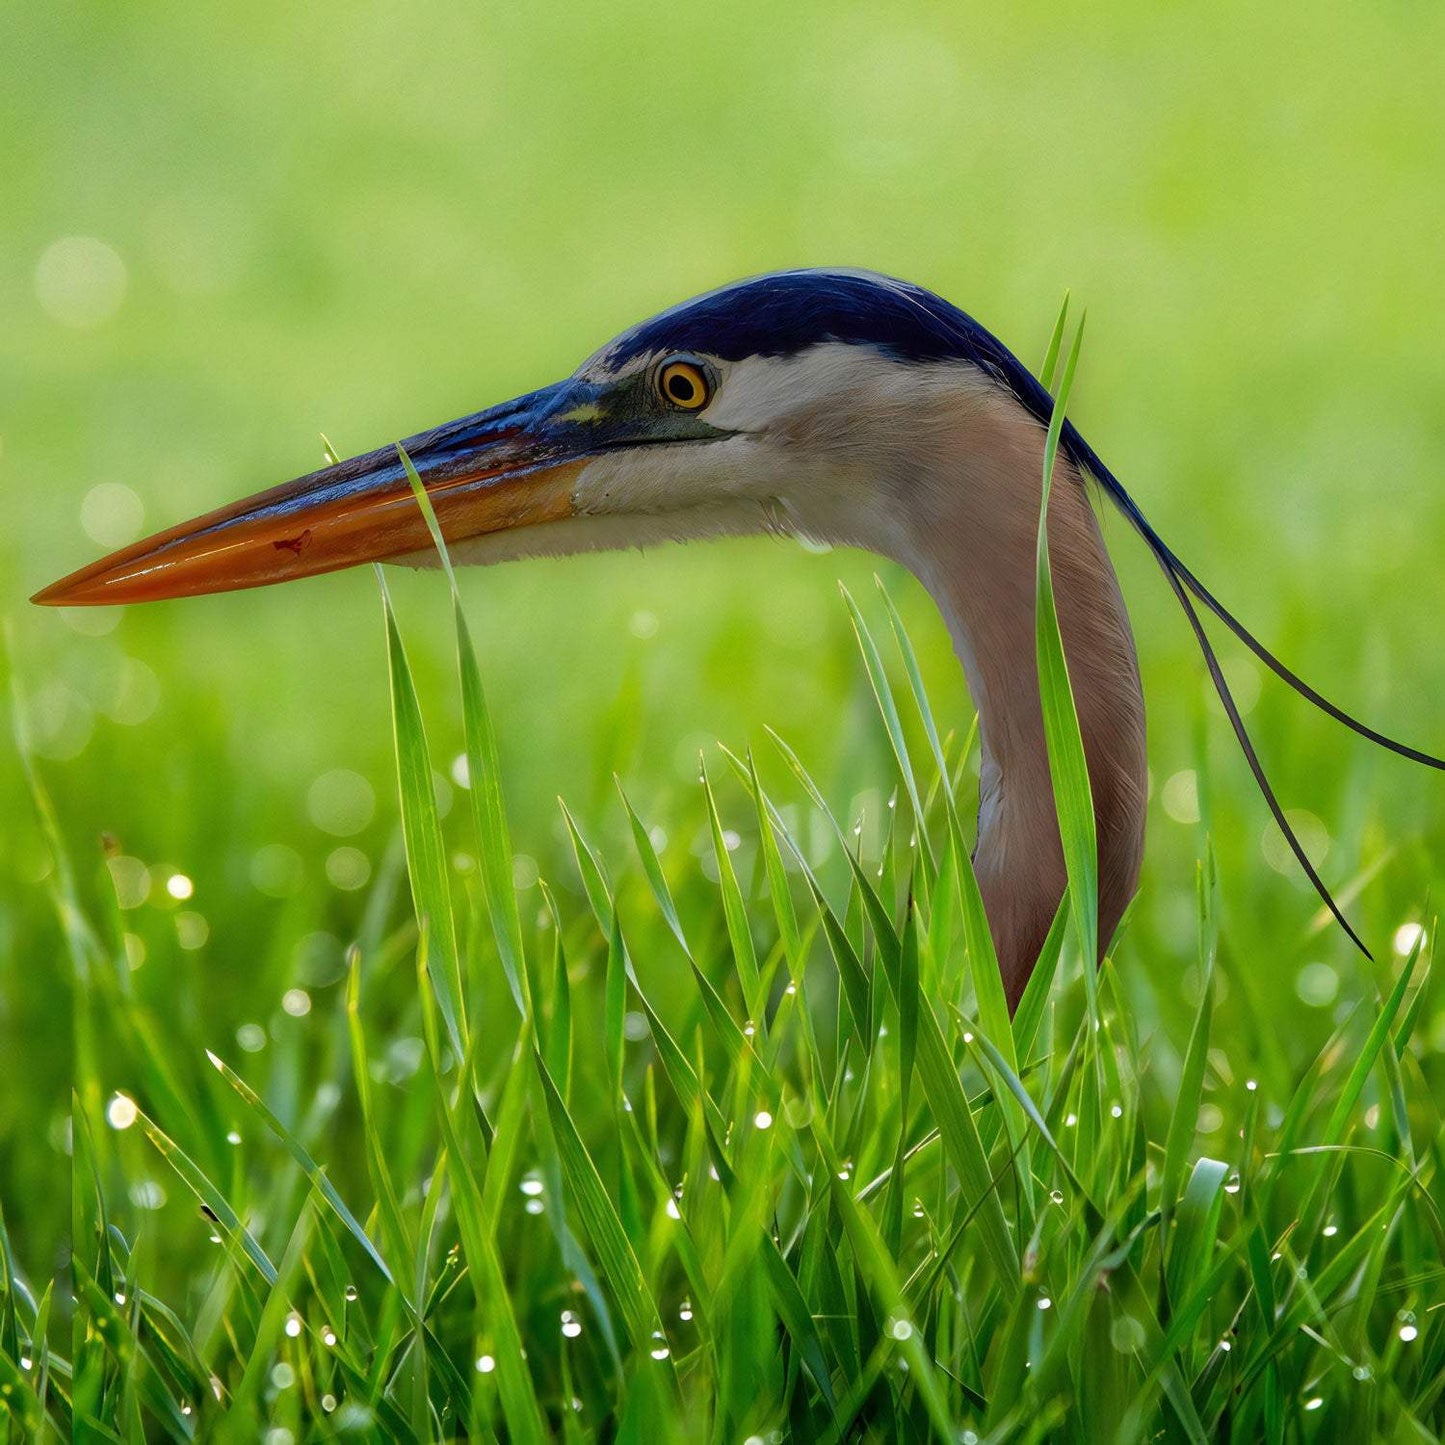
(1317, 984)
(112, 514)
(80, 281)
(341, 802)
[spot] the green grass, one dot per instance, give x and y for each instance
(735, 1144)
(373, 221)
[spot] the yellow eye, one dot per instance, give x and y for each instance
(684, 385)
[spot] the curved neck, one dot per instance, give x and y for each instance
(970, 488)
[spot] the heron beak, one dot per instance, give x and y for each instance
(512, 466)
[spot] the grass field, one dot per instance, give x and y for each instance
(690, 1112)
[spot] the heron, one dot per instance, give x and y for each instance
(841, 406)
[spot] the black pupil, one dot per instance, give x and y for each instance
(680, 387)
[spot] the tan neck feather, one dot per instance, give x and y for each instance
(975, 554)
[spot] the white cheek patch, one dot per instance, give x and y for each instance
(760, 392)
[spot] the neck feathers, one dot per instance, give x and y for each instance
(979, 487)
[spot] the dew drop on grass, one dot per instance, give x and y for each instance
(1408, 1333)
(571, 1325)
(531, 1186)
(351, 1294)
(684, 1311)
(283, 1376)
(121, 1112)
(1407, 935)
(900, 1328)
(1314, 1402)
(486, 1364)
(293, 1324)
(673, 1212)
(659, 1350)
(1231, 1185)
(1057, 1195)
(534, 1206)
(1361, 1372)
(1330, 1230)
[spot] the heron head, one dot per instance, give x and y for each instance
(699, 421)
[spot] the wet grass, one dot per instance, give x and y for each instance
(733, 1144)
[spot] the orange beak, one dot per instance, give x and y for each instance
(512, 466)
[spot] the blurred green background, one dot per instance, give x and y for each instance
(228, 228)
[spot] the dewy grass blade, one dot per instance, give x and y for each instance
(734, 910)
(1072, 795)
(313, 1171)
(519, 1398)
(210, 1196)
(393, 1222)
(594, 1207)
(489, 814)
(425, 850)
(1184, 1118)
(888, 711)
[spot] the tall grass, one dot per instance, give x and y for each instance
(733, 1147)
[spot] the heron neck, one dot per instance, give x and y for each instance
(976, 501)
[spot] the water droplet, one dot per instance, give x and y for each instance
(531, 1185)
(1408, 1333)
(1330, 1230)
(328, 1337)
(1231, 1185)
(762, 1119)
(485, 1364)
(918, 1209)
(900, 1328)
(571, 1325)
(1044, 1302)
(351, 1294)
(1407, 935)
(1314, 1403)
(673, 1212)
(1361, 1372)
(121, 1112)
(293, 1324)
(283, 1376)
(1116, 1111)
(1071, 1121)
(534, 1206)
(684, 1311)
(659, 1350)
(1057, 1195)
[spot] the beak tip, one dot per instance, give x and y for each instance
(72, 591)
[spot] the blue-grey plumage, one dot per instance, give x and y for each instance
(840, 405)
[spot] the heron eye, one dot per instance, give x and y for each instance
(684, 385)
